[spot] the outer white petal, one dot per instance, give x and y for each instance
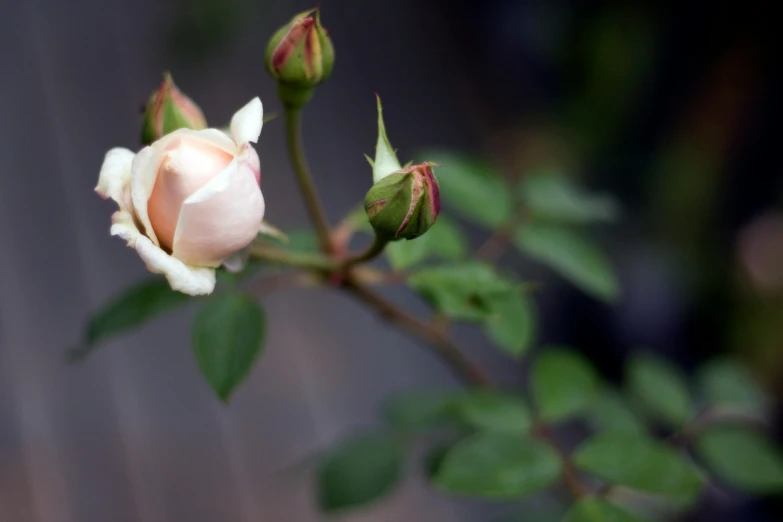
(221, 218)
(183, 278)
(247, 122)
(144, 173)
(115, 179)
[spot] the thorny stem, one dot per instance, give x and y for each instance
(438, 340)
(570, 475)
(293, 128)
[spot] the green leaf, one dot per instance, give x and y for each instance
(660, 389)
(593, 509)
(564, 384)
(724, 382)
(511, 324)
(386, 160)
(443, 241)
(228, 337)
(611, 412)
(494, 411)
(132, 308)
(498, 466)
(638, 462)
(421, 410)
(460, 291)
(472, 188)
(745, 459)
(361, 470)
(572, 255)
(554, 197)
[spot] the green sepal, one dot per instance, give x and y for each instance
(386, 161)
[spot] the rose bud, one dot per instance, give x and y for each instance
(168, 110)
(404, 204)
(189, 201)
(299, 56)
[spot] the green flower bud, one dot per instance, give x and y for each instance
(299, 56)
(404, 204)
(168, 110)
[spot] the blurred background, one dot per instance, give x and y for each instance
(672, 106)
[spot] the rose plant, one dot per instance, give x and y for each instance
(190, 204)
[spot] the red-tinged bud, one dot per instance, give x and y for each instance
(168, 110)
(405, 203)
(299, 56)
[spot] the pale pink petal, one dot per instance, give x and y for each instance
(188, 165)
(223, 217)
(213, 136)
(183, 278)
(247, 122)
(115, 178)
(249, 154)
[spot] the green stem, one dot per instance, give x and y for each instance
(372, 252)
(296, 259)
(293, 128)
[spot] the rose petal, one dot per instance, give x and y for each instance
(213, 136)
(223, 217)
(247, 122)
(146, 164)
(249, 154)
(189, 164)
(183, 278)
(115, 179)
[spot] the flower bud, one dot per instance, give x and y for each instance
(299, 56)
(404, 204)
(168, 110)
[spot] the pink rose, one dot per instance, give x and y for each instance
(189, 201)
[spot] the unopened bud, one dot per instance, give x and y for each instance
(168, 110)
(404, 204)
(299, 56)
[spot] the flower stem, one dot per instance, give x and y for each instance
(293, 128)
(297, 259)
(372, 252)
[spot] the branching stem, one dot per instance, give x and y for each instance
(293, 128)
